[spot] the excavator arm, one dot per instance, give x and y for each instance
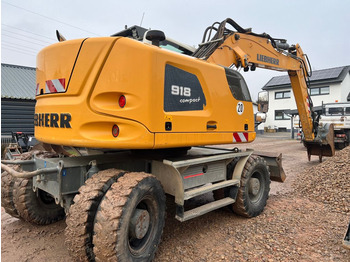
(243, 48)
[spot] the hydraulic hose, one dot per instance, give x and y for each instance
(28, 174)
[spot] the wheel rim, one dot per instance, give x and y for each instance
(141, 233)
(255, 187)
(139, 223)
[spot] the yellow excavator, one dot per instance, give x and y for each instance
(149, 111)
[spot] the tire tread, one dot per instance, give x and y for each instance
(81, 215)
(240, 207)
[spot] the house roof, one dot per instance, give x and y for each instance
(17, 82)
(319, 77)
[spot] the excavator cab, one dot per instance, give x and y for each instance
(142, 34)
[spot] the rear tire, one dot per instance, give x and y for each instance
(81, 215)
(7, 183)
(35, 207)
(255, 187)
(117, 238)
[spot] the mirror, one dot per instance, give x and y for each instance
(263, 101)
(260, 117)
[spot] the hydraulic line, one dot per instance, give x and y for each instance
(208, 46)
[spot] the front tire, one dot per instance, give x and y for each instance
(255, 187)
(130, 219)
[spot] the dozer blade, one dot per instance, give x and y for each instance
(274, 161)
(323, 145)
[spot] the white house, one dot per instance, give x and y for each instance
(328, 86)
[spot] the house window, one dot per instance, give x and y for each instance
(319, 91)
(282, 95)
(280, 115)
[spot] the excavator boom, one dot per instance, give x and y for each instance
(243, 48)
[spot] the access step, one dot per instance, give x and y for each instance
(208, 188)
(196, 212)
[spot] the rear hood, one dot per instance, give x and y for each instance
(55, 64)
(64, 68)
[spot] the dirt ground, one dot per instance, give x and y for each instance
(292, 227)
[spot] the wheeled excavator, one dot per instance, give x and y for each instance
(151, 115)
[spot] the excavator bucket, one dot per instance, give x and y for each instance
(323, 145)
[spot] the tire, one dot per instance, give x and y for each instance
(35, 207)
(7, 187)
(340, 146)
(255, 187)
(81, 215)
(7, 183)
(115, 238)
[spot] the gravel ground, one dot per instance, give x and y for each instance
(297, 224)
(290, 229)
(328, 182)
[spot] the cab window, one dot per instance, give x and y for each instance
(237, 84)
(174, 47)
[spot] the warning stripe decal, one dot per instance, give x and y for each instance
(50, 88)
(37, 91)
(55, 86)
(308, 105)
(240, 137)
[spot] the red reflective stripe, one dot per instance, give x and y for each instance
(240, 137)
(236, 137)
(63, 82)
(189, 176)
(51, 87)
(246, 136)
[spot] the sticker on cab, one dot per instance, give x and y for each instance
(240, 108)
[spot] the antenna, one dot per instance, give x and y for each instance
(143, 15)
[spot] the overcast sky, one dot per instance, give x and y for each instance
(320, 27)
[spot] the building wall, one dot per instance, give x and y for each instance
(345, 87)
(278, 104)
(17, 115)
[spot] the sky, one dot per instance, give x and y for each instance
(320, 27)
